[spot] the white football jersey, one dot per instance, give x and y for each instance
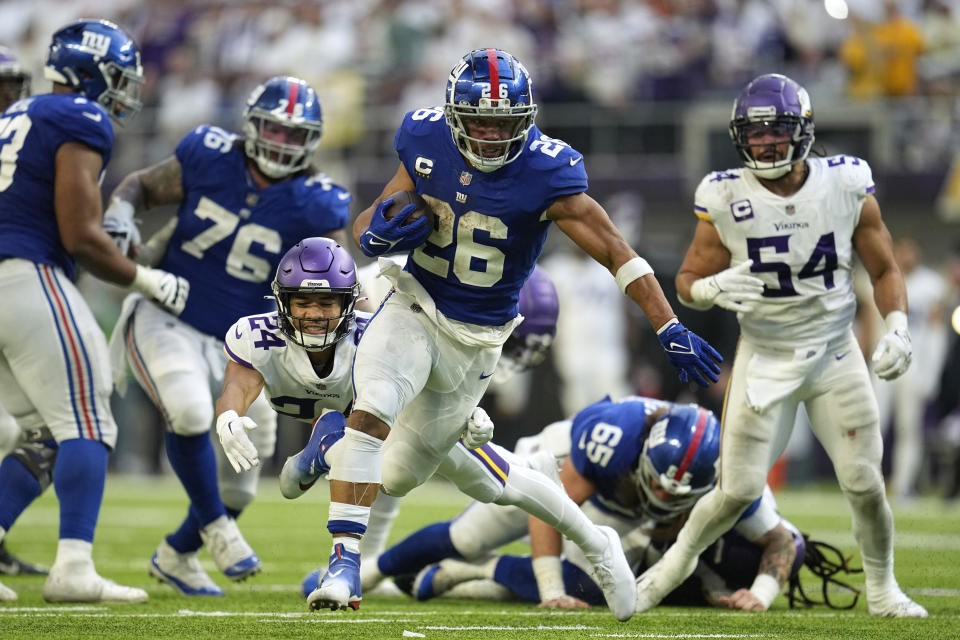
(290, 383)
(801, 246)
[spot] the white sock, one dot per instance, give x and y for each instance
(873, 531)
(536, 494)
(73, 551)
(383, 512)
(349, 543)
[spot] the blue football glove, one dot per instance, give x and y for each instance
(390, 236)
(690, 355)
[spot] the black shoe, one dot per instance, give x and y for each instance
(11, 565)
(405, 582)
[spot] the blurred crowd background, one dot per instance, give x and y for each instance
(643, 88)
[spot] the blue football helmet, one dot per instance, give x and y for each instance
(774, 102)
(680, 455)
(283, 125)
(470, 101)
(312, 266)
(14, 79)
(98, 59)
(527, 346)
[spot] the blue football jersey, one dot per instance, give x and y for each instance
(230, 235)
(491, 226)
(31, 132)
(606, 441)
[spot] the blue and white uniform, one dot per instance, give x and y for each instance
(228, 239)
(456, 302)
(54, 367)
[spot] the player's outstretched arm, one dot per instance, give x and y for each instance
(874, 245)
(241, 386)
(141, 190)
(776, 560)
(586, 223)
(546, 545)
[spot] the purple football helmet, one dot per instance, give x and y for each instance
(776, 103)
(680, 453)
(102, 62)
(289, 106)
(527, 346)
(14, 79)
(470, 99)
(316, 266)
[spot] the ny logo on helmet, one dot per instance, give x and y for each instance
(97, 43)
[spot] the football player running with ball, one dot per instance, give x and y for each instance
(775, 243)
(54, 367)
(495, 184)
(241, 201)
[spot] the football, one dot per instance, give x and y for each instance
(402, 199)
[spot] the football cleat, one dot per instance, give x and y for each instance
(340, 586)
(612, 573)
(231, 553)
(303, 469)
(896, 604)
(79, 582)
(432, 581)
(311, 581)
(182, 571)
(11, 565)
(7, 594)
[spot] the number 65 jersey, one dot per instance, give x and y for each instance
(290, 382)
(801, 247)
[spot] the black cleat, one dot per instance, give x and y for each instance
(10, 565)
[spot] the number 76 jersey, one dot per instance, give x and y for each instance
(801, 246)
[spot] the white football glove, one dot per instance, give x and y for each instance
(119, 224)
(232, 430)
(169, 290)
(479, 429)
(894, 352)
(733, 288)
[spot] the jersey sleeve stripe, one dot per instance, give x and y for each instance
(701, 213)
(871, 189)
(235, 357)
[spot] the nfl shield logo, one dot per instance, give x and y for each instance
(465, 177)
(791, 209)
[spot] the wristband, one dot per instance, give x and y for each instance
(895, 320)
(667, 325)
(765, 587)
(548, 571)
(631, 270)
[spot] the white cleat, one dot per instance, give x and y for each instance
(612, 573)
(7, 594)
(896, 605)
(182, 571)
(231, 553)
(658, 581)
(79, 582)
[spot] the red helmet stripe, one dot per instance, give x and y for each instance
(494, 74)
(292, 96)
(694, 445)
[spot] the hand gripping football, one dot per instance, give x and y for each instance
(401, 199)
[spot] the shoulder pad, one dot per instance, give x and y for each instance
(851, 173)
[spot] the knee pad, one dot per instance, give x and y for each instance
(38, 458)
(190, 418)
(859, 478)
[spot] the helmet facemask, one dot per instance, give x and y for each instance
(512, 123)
(121, 100)
(274, 158)
(309, 331)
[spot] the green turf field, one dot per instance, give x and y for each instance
(291, 538)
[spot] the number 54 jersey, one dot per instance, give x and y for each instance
(801, 246)
(230, 235)
(290, 382)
